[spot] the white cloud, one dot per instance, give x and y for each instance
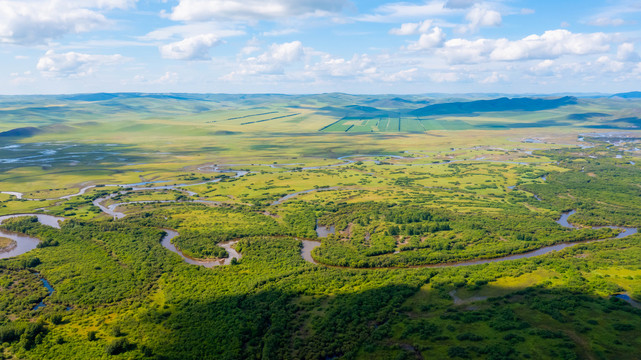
(22, 78)
(192, 48)
(99, 4)
(544, 67)
(412, 28)
(394, 11)
(251, 47)
(74, 64)
(271, 62)
(280, 32)
(429, 40)
(551, 44)
(252, 10)
(605, 21)
(38, 21)
(283, 53)
(494, 77)
(479, 17)
(190, 30)
(167, 78)
(526, 11)
(466, 51)
(608, 65)
(403, 75)
(358, 66)
(625, 52)
(445, 77)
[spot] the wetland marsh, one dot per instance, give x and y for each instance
(343, 233)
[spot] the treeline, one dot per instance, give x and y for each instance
(373, 237)
(604, 189)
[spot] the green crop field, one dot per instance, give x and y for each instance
(327, 226)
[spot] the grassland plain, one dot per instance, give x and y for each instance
(404, 184)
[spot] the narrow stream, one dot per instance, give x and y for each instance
(26, 243)
(111, 209)
(289, 196)
(626, 297)
(49, 288)
(228, 245)
(306, 251)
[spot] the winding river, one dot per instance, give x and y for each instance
(309, 245)
(111, 209)
(228, 245)
(26, 243)
(626, 231)
(23, 243)
(289, 196)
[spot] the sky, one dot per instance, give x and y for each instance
(317, 46)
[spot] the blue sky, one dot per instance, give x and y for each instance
(314, 46)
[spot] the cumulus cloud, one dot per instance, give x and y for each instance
(74, 64)
(431, 37)
(358, 65)
(192, 48)
(412, 28)
(479, 17)
(459, 51)
(544, 67)
(294, 61)
(38, 21)
(609, 65)
(283, 53)
(551, 44)
(429, 40)
(252, 10)
(625, 52)
(271, 62)
(494, 77)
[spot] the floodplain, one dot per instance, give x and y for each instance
(331, 226)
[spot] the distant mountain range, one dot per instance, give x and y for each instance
(500, 104)
(628, 95)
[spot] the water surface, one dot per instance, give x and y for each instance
(228, 245)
